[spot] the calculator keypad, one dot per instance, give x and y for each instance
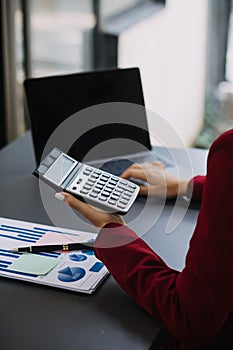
(107, 189)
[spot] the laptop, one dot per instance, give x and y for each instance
(107, 110)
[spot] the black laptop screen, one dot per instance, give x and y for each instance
(51, 100)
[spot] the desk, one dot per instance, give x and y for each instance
(39, 317)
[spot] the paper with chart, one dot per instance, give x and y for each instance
(79, 271)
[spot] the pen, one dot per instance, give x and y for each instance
(52, 247)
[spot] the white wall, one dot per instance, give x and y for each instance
(170, 49)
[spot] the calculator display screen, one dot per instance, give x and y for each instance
(60, 169)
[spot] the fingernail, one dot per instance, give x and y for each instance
(59, 196)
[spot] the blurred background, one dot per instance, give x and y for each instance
(184, 50)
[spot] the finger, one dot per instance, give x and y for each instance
(143, 190)
(83, 208)
(136, 173)
(126, 174)
(96, 216)
(133, 166)
(160, 164)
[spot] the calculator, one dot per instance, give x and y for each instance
(94, 186)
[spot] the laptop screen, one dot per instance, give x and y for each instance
(51, 100)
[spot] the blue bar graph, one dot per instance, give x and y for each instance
(21, 229)
(44, 230)
(21, 234)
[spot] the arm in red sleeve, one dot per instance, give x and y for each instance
(195, 305)
(196, 187)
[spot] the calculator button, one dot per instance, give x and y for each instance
(123, 201)
(106, 176)
(122, 206)
(128, 193)
(121, 187)
(117, 193)
(97, 172)
(99, 186)
(105, 194)
(87, 187)
(42, 169)
(114, 197)
(89, 168)
(112, 182)
(126, 197)
(55, 153)
(122, 182)
(109, 187)
(112, 201)
(91, 178)
(48, 161)
(86, 172)
(101, 182)
(114, 178)
(130, 189)
(132, 185)
(90, 182)
(94, 176)
(79, 181)
(96, 190)
(84, 191)
(102, 198)
(93, 194)
(74, 188)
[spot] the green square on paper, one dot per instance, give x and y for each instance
(33, 264)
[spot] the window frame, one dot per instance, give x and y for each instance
(107, 31)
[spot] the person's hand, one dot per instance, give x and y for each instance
(160, 182)
(96, 217)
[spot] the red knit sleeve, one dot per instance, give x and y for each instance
(196, 187)
(195, 305)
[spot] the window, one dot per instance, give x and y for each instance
(111, 8)
(57, 37)
(229, 56)
(219, 91)
(60, 36)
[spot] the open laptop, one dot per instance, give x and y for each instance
(116, 93)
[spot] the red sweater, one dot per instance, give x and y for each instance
(195, 306)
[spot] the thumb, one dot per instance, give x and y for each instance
(81, 207)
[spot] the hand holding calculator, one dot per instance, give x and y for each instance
(92, 185)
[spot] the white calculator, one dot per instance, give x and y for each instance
(94, 186)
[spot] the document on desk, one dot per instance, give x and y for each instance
(78, 271)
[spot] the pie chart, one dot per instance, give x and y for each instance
(78, 257)
(71, 274)
(88, 252)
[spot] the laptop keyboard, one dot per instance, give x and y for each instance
(116, 167)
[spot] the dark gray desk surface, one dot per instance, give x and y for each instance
(37, 317)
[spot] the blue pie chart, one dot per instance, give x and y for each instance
(71, 274)
(88, 252)
(78, 257)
